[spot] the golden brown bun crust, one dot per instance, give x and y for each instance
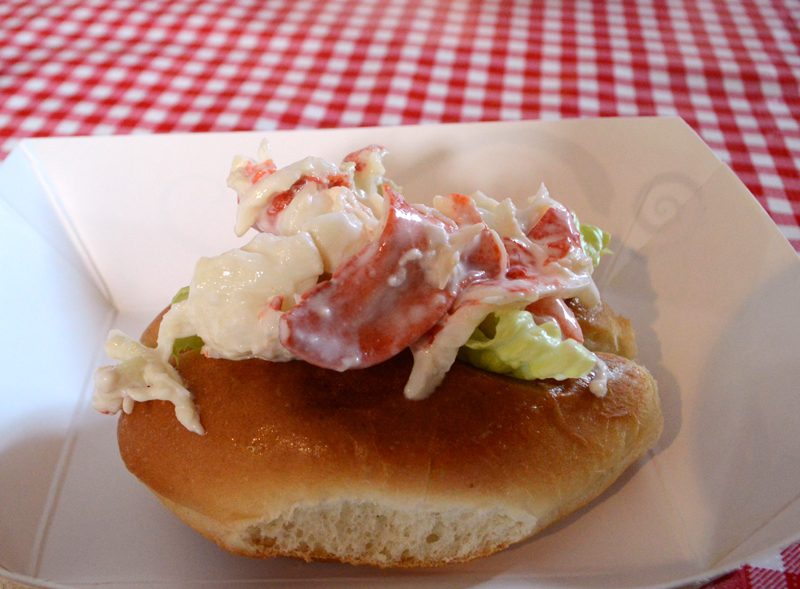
(603, 330)
(280, 435)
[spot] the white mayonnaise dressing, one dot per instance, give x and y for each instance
(599, 383)
(399, 276)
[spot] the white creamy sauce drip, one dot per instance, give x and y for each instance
(599, 383)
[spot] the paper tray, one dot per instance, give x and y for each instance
(101, 232)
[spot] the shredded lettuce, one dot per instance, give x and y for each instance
(594, 241)
(510, 342)
(182, 295)
(189, 343)
(186, 344)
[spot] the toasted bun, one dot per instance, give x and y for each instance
(306, 462)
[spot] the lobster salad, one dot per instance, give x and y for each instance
(342, 272)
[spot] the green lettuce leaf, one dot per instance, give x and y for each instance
(186, 344)
(510, 342)
(182, 295)
(189, 343)
(594, 241)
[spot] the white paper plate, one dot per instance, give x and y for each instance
(101, 232)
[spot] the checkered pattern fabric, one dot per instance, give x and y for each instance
(730, 68)
(777, 572)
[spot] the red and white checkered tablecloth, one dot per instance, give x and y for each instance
(731, 69)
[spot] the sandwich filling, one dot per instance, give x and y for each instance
(344, 273)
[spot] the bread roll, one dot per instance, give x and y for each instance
(306, 462)
(603, 330)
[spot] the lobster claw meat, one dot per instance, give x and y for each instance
(380, 300)
(557, 232)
